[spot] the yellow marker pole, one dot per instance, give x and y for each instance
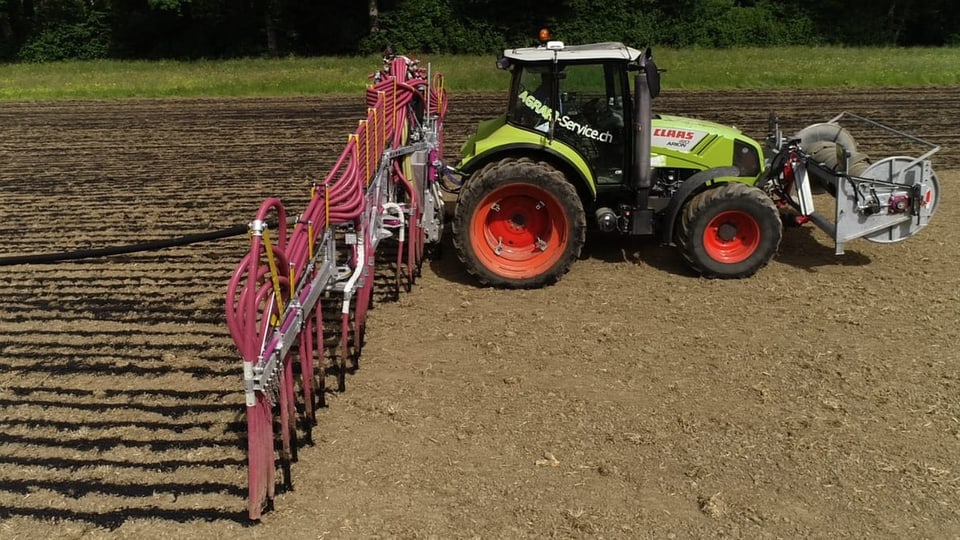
(382, 99)
(310, 239)
(376, 130)
(366, 154)
(326, 205)
(274, 276)
(291, 281)
(366, 148)
(356, 153)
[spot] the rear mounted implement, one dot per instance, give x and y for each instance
(884, 201)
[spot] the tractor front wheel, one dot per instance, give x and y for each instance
(730, 231)
(518, 224)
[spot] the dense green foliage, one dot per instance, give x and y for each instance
(44, 30)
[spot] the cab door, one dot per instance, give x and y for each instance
(595, 117)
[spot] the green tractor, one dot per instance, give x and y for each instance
(579, 147)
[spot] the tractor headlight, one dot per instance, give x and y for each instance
(746, 158)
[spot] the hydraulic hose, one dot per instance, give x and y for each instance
(93, 253)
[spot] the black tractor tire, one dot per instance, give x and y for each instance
(518, 224)
(729, 231)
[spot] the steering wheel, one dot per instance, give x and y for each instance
(601, 115)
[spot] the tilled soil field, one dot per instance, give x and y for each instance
(820, 398)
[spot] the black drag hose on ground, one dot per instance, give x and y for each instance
(48, 258)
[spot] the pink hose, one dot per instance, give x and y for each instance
(253, 312)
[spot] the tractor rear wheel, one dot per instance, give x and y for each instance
(730, 231)
(518, 224)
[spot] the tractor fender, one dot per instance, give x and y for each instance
(687, 189)
(586, 188)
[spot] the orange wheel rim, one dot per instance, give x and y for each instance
(519, 231)
(731, 237)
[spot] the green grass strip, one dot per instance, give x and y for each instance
(819, 67)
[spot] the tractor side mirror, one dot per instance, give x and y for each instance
(652, 73)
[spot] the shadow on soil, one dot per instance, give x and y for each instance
(135, 459)
(112, 520)
(636, 250)
(798, 248)
(608, 248)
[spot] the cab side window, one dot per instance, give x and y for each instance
(593, 95)
(593, 120)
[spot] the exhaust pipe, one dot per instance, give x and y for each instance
(646, 86)
(642, 125)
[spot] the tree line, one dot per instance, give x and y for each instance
(47, 30)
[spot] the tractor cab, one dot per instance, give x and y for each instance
(584, 105)
(578, 96)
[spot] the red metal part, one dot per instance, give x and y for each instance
(731, 237)
(519, 231)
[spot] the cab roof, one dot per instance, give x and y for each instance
(610, 50)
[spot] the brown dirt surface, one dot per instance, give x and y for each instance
(819, 398)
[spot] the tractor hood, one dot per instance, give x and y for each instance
(680, 142)
(693, 124)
